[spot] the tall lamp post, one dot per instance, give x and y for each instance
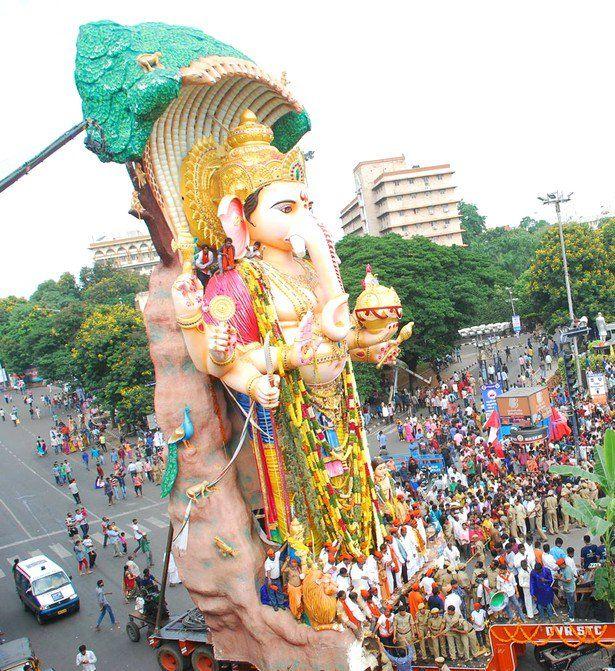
(557, 199)
(515, 319)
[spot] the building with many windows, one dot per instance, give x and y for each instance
(133, 250)
(392, 198)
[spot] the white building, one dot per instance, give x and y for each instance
(133, 250)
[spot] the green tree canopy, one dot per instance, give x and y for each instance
(473, 223)
(111, 353)
(441, 288)
(511, 250)
(532, 225)
(119, 287)
(55, 295)
(591, 270)
(50, 331)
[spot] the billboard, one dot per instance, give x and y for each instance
(524, 407)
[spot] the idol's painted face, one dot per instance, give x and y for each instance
(283, 209)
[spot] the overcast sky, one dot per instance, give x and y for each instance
(517, 96)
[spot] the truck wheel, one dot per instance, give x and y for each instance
(171, 659)
(132, 631)
(591, 662)
(40, 619)
(203, 659)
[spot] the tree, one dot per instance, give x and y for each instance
(511, 250)
(441, 288)
(472, 222)
(599, 519)
(111, 353)
(135, 404)
(591, 270)
(368, 379)
(118, 286)
(532, 225)
(56, 295)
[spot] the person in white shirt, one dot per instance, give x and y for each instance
(426, 584)
(523, 576)
(452, 599)
(569, 559)
(451, 554)
(385, 626)
(86, 659)
(506, 583)
(530, 555)
(359, 576)
(273, 581)
(343, 580)
(478, 618)
(370, 569)
(548, 561)
(137, 534)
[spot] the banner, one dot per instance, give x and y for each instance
(597, 385)
(516, 323)
(489, 394)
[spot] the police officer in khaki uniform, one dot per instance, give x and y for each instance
(435, 629)
(422, 619)
(520, 517)
(467, 639)
(447, 530)
(551, 511)
(451, 620)
(539, 518)
(566, 496)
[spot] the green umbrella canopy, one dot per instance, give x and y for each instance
(123, 101)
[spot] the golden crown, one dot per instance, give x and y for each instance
(246, 162)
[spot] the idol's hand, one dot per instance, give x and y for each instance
(222, 343)
(384, 354)
(387, 353)
(187, 294)
(265, 392)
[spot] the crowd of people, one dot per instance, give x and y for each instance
(499, 513)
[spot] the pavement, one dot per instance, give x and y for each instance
(32, 512)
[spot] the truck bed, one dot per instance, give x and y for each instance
(189, 626)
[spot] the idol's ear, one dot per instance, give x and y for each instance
(230, 213)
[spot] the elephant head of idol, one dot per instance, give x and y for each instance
(250, 192)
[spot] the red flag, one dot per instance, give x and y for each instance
(494, 421)
(558, 425)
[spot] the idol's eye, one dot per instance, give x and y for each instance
(311, 206)
(285, 206)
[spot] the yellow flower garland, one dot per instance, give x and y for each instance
(346, 516)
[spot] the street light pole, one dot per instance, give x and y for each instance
(557, 199)
(512, 301)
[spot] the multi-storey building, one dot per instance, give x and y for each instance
(392, 198)
(133, 250)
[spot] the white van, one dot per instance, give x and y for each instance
(44, 588)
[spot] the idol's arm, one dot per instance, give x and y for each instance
(385, 353)
(214, 349)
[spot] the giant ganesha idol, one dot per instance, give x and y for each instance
(209, 140)
(287, 342)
